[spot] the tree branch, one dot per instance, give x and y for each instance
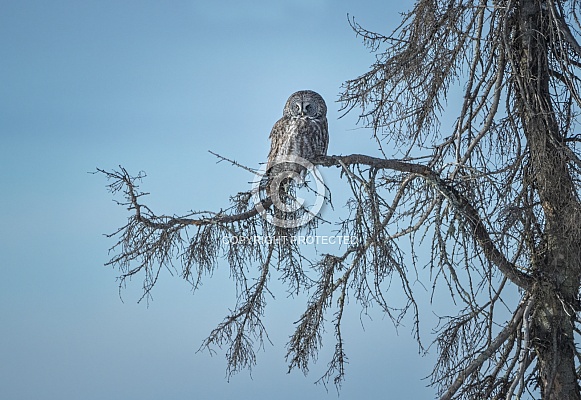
(486, 354)
(459, 201)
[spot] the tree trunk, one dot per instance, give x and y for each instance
(556, 259)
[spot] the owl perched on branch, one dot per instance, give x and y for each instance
(302, 131)
(300, 135)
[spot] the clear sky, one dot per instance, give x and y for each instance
(152, 86)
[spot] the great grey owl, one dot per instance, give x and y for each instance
(302, 131)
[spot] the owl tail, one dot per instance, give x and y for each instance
(281, 180)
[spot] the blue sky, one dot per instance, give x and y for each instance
(152, 86)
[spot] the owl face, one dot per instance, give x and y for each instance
(305, 104)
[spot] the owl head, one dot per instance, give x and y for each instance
(305, 104)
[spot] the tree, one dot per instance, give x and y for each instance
(497, 197)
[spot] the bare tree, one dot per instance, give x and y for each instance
(497, 197)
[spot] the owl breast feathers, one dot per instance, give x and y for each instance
(302, 131)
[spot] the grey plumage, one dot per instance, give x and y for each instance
(303, 130)
(299, 136)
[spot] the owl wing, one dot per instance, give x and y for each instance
(278, 136)
(323, 141)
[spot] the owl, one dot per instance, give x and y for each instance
(302, 131)
(299, 136)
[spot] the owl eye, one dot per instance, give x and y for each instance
(311, 110)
